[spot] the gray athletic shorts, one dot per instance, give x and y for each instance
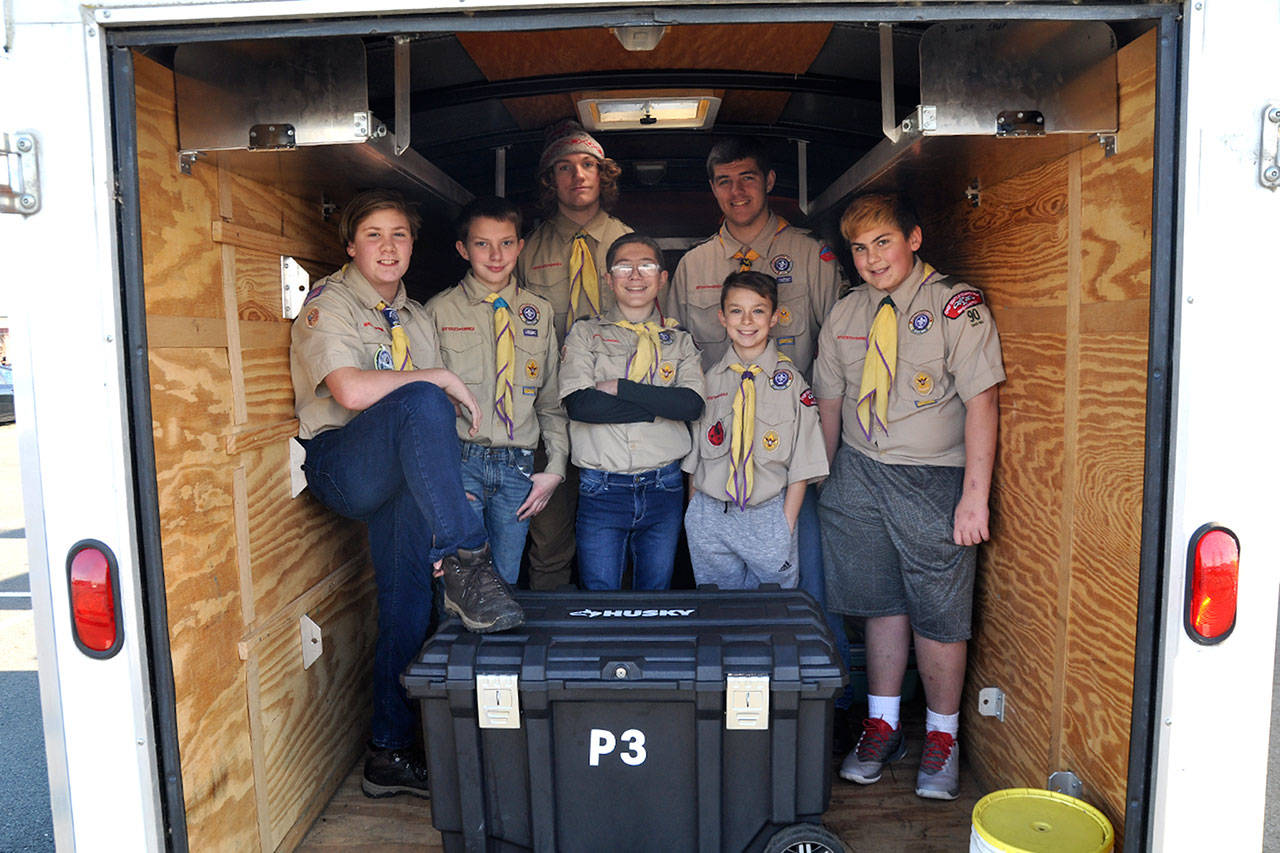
(740, 548)
(888, 546)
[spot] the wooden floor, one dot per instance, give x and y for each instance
(881, 818)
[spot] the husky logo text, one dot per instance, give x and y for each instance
(633, 613)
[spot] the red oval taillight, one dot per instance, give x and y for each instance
(95, 610)
(1213, 583)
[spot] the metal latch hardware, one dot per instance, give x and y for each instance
(1020, 123)
(295, 284)
(20, 182)
(746, 702)
(498, 700)
(271, 137)
(991, 702)
(1269, 161)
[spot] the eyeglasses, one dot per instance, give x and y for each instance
(623, 269)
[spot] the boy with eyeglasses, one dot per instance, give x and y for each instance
(630, 382)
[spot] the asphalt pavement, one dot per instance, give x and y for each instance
(25, 820)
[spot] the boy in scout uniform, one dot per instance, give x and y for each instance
(376, 419)
(809, 280)
(630, 382)
(498, 338)
(564, 263)
(910, 364)
(755, 448)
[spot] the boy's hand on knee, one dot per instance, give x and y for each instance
(543, 485)
(971, 521)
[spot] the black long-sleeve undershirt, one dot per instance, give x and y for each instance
(634, 402)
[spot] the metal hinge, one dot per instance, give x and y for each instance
(20, 190)
(1269, 160)
(746, 702)
(498, 700)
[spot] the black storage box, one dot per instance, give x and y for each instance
(622, 739)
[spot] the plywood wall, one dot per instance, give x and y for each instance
(1063, 254)
(263, 741)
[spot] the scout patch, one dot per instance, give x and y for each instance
(781, 264)
(785, 342)
(920, 322)
(666, 370)
(784, 316)
(961, 302)
(313, 317)
(922, 382)
(807, 398)
(530, 333)
(531, 369)
(975, 317)
(529, 392)
(529, 313)
(770, 441)
(781, 379)
(382, 359)
(826, 254)
(715, 435)
(315, 291)
(665, 336)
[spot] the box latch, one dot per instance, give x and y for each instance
(746, 702)
(498, 700)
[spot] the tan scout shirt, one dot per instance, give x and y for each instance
(339, 326)
(787, 447)
(809, 279)
(948, 352)
(597, 351)
(544, 264)
(464, 325)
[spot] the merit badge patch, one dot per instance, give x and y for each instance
(781, 379)
(382, 359)
(531, 369)
(770, 441)
(784, 316)
(665, 336)
(313, 317)
(666, 370)
(529, 313)
(922, 382)
(807, 398)
(826, 254)
(715, 435)
(781, 264)
(920, 322)
(961, 302)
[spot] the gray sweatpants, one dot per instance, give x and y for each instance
(740, 548)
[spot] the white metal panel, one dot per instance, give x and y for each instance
(1215, 708)
(75, 462)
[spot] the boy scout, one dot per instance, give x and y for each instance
(564, 263)
(911, 362)
(376, 416)
(498, 338)
(630, 383)
(758, 438)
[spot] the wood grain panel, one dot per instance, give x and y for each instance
(268, 388)
(181, 268)
(258, 286)
(293, 542)
(190, 390)
(314, 720)
(1014, 245)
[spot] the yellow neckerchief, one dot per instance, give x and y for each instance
(746, 258)
(881, 364)
(584, 282)
(505, 359)
(400, 358)
(643, 363)
(742, 437)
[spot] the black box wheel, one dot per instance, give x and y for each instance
(805, 838)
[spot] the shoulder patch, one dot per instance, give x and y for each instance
(807, 398)
(961, 302)
(313, 317)
(826, 254)
(315, 291)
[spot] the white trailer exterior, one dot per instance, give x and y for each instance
(64, 295)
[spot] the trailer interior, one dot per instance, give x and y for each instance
(1028, 135)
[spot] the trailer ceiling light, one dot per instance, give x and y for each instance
(639, 38)
(1214, 568)
(95, 601)
(694, 111)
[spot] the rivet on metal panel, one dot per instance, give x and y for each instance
(1066, 782)
(1269, 149)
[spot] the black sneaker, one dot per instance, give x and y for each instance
(388, 772)
(475, 591)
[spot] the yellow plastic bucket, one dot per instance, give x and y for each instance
(1030, 820)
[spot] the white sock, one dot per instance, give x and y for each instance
(886, 708)
(935, 722)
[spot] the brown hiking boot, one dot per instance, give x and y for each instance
(475, 591)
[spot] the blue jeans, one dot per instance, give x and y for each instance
(395, 467)
(813, 581)
(497, 480)
(635, 515)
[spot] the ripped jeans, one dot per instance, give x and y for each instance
(497, 480)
